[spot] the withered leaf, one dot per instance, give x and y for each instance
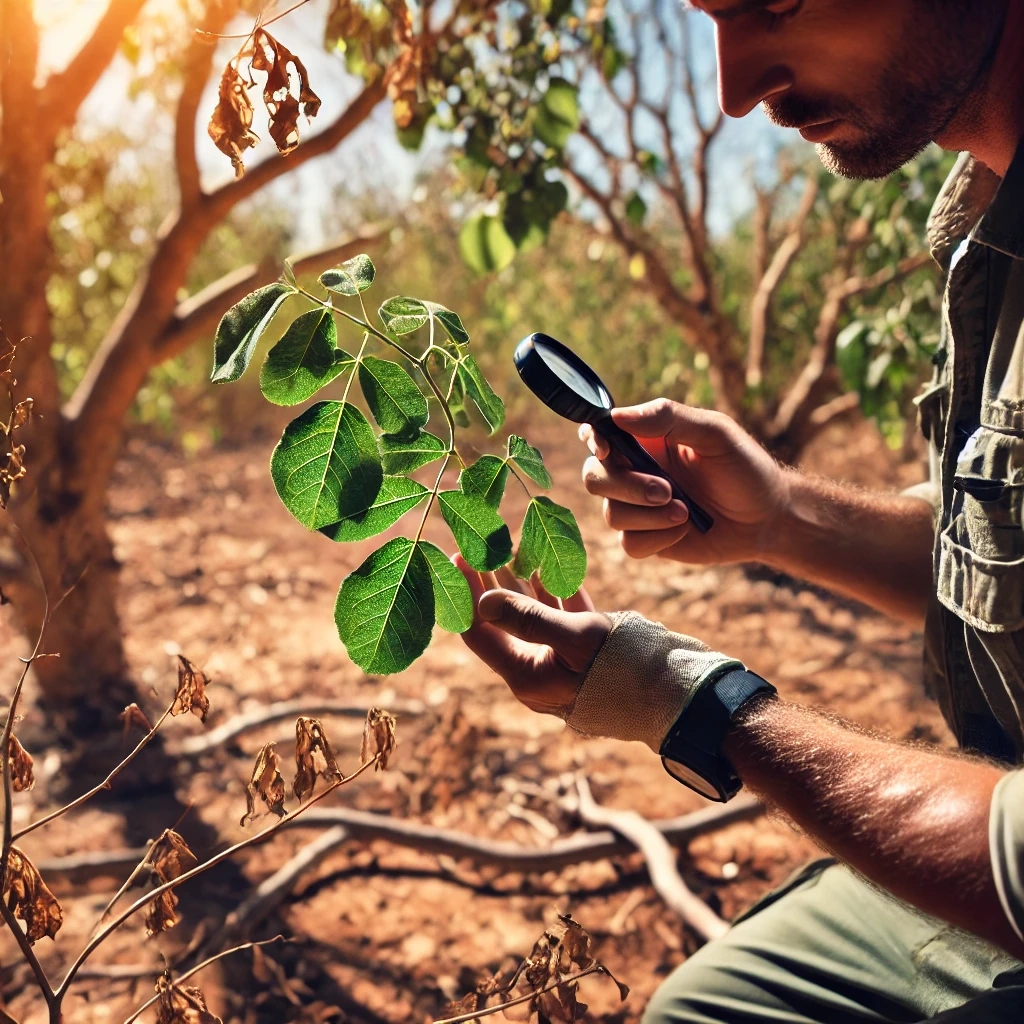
(467, 1004)
(378, 737)
(22, 413)
(181, 1004)
(266, 783)
(230, 126)
(171, 857)
(191, 695)
(273, 57)
(28, 897)
(313, 757)
(161, 915)
(22, 776)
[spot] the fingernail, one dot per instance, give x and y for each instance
(655, 492)
(678, 512)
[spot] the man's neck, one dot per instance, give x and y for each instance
(991, 124)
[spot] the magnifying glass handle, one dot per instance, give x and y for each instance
(640, 459)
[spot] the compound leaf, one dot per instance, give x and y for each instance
(385, 609)
(490, 405)
(551, 542)
(485, 479)
(240, 328)
(404, 456)
(351, 278)
(396, 402)
(402, 314)
(529, 460)
(326, 466)
(396, 496)
(453, 600)
(305, 359)
(479, 531)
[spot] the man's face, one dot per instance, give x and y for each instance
(870, 82)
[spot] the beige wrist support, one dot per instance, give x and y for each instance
(640, 681)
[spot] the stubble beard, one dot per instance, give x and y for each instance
(932, 80)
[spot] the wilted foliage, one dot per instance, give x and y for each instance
(22, 775)
(12, 455)
(378, 737)
(169, 859)
(313, 757)
(28, 897)
(231, 124)
(181, 1004)
(266, 784)
(191, 695)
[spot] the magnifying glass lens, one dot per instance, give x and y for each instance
(571, 377)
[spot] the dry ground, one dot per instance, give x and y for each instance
(215, 567)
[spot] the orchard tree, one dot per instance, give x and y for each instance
(58, 509)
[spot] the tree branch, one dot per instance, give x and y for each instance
(225, 197)
(780, 262)
(804, 395)
(65, 92)
(199, 314)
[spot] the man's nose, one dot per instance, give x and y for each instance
(749, 71)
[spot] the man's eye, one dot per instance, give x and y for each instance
(784, 8)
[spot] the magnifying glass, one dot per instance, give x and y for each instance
(566, 385)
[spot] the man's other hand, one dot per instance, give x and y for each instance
(713, 459)
(540, 647)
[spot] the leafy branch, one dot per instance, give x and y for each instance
(336, 474)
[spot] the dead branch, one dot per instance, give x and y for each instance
(660, 858)
(199, 314)
(64, 92)
(767, 286)
(195, 746)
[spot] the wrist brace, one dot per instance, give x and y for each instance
(640, 680)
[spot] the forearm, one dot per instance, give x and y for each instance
(871, 546)
(913, 821)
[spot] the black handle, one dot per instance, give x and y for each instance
(640, 459)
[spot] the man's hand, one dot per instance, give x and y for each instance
(540, 647)
(713, 459)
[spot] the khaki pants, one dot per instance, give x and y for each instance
(828, 948)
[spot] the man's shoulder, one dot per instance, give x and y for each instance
(960, 204)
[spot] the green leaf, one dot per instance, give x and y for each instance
(402, 314)
(397, 404)
(396, 496)
(351, 278)
(453, 600)
(385, 609)
(558, 114)
(485, 479)
(551, 542)
(490, 405)
(529, 460)
(481, 534)
(240, 328)
(304, 360)
(636, 209)
(485, 244)
(404, 456)
(326, 466)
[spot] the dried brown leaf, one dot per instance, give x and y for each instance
(171, 857)
(266, 783)
(378, 737)
(467, 1004)
(22, 413)
(133, 716)
(28, 897)
(22, 776)
(191, 695)
(313, 757)
(181, 1004)
(161, 915)
(230, 126)
(273, 57)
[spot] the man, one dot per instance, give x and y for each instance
(924, 917)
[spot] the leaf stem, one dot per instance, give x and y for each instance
(198, 967)
(199, 869)
(522, 482)
(259, 24)
(433, 495)
(488, 1010)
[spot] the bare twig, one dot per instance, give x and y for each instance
(198, 967)
(660, 860)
